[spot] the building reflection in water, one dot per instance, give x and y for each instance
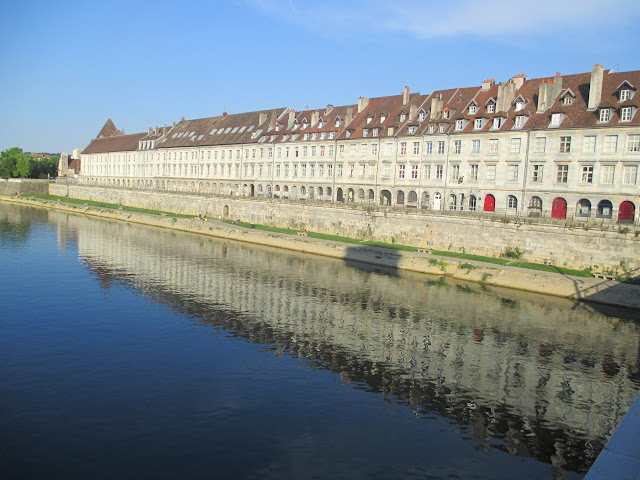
(532, 375)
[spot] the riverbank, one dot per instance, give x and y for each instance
(595, 290)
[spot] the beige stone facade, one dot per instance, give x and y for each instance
(558, 148)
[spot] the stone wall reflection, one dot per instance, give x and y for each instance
(532, 375)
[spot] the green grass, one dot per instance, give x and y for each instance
(115, 206)
(552, 268)
(264, 228)
(468, 256)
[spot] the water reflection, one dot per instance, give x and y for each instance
(530, 375)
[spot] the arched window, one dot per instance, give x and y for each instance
(319, 191)
(472, 203)
(385, 197)
(512, 202)
(372, 194)
(583, 208)
(400, 198)
(361, 193)
(453, 202)
(311, 193)
(425, 200)
(329, 192)
(413, 197)
(605, 209)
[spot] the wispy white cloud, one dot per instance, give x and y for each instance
(429, 19)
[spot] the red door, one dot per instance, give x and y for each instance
(626, 212)
(559, 208)
(489, 203)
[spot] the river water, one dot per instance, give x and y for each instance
(135, 352)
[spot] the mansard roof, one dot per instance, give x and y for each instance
(116, 143)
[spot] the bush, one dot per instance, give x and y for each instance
(512, 252)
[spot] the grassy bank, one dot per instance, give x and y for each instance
(115, 206)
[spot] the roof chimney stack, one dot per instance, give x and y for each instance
(328, 109)
(405, 95)
(263, 118)
(349, 116)
(362, 104)
(518, 79)
(595, 86)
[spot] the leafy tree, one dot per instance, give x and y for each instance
(24, 166)
(9, 161)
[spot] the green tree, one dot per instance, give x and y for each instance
(24, 166)
(9, 161)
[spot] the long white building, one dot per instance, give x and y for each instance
(553, 147)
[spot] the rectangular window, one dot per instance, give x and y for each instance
(589, 144)
(455, 172)
(401, 171)
(386, 170)
(321, 170)
(341, 149)
(429, 146)
(625, 114)
(440, 147)
(439, 170)
(426, 171)
(630, 175)
(587, 174)
(537, 173)
(313, 150)
(414, 171)
(515, 145)
(605, 114)
(607, 173)
(474, 173)
(563, 174)
(477, 124)
(512, 173)
(633, 143)
(403, 148)
(459, 124)
(388, 148)
(304, 170)
(520, 120)
(475, 146)
(305, 150)
(322, 151)
(338, 170)
(565, 144)
(330, 170)
(351, 169)
(312, 170)
(363, 171)
(331, 150)
(610, 143)
(374, 149)
(416, 148)
(493, 145)
(363, 149)
(540, 145)
(491, 173)
(457, 147)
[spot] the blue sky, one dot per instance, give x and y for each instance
(68, 66)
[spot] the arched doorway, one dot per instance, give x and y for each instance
(339, 197)
(489, 203)
(453, 201)
(350, 195)
(385, 197)
(626, 211)
(535, 207)
(559, 208)
(252, 190)
(225, 212)
(437, 201)
(400, 198)
(425, 200)
(472, 203)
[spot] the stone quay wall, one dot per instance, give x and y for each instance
(607, 249)
(11, 186)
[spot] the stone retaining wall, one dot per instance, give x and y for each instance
(563, 245)
(22, 186)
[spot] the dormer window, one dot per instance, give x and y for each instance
(519, 106)
(323, 135)
(625, 114)
(445, 114)
(491, 108)
(520, 121)
(390, 131)
(295, 127)
(497, 123)
(422, 116)
(477, 124)
(305, 125)
(432, 128)
(556, 118)
(605, 115)
(305, 136)
(625, 95)
(365, 132)
(459, 124)
(369, 119)
(375, 132)
(332, 134)
(314, 136)
(412, 130)
(348, 133)
(442, 127)
(320, 124)
(567, 100)
(337, 122)
(403, 117)
(382, 118)
(473, 109)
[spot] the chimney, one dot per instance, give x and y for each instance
(315, 116)
(349, 116)
(405, 95)
(182, 120)
(506, 95)
(486, 84)
(548, 91)
(272, 121)
(150, 130)
(263, 118)
(518, 79)
(224, 112)
(413, 111)
(595, 86)
(328, 109)
(362, 104)
(436, 107)
(174, 124)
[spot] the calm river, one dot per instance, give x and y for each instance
(134, 352)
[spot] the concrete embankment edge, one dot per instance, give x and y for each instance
(575, 288)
